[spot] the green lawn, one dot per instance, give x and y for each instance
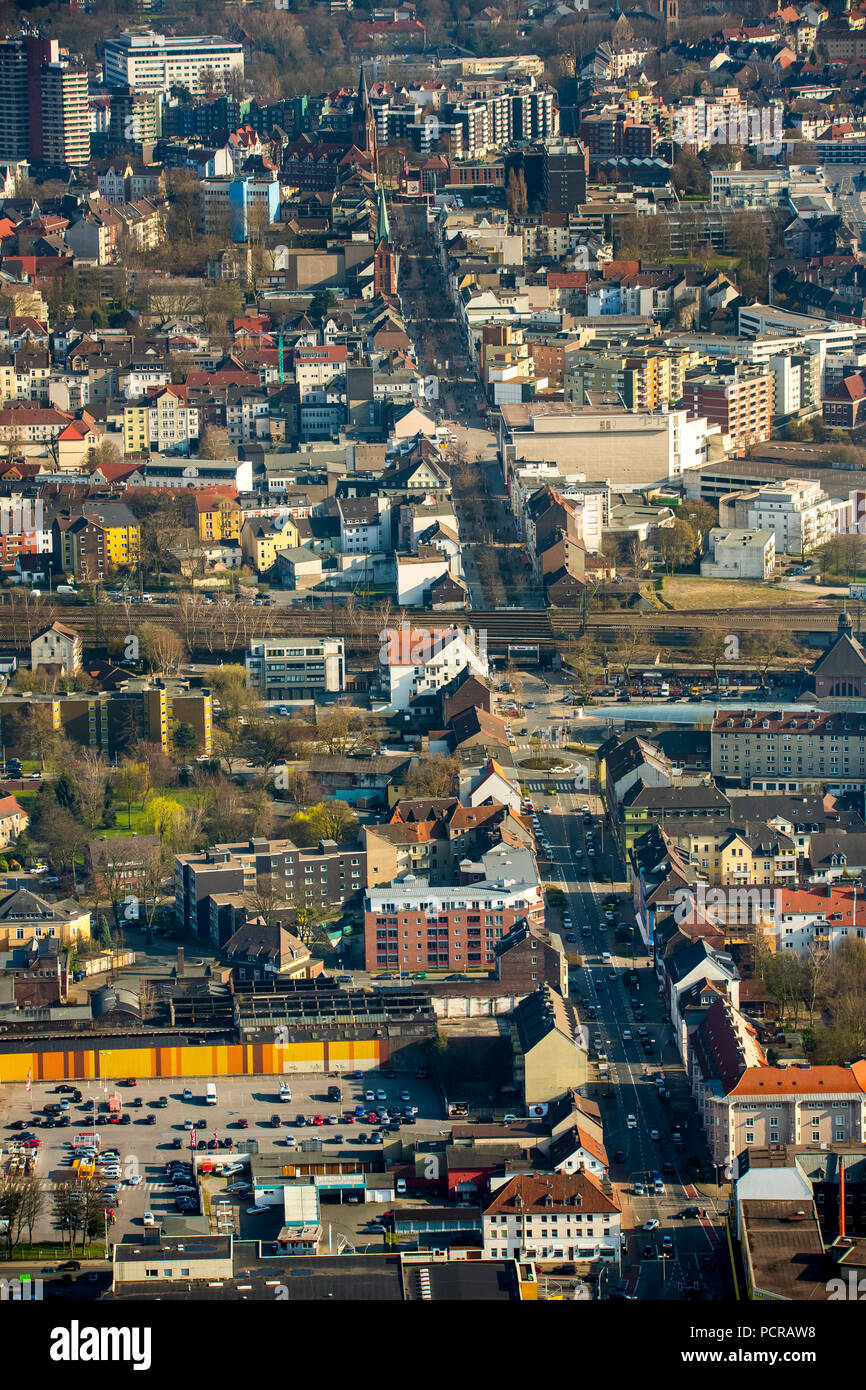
(184, 796)
(716, 262)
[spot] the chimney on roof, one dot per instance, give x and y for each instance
(180, 962)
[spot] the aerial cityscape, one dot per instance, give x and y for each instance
(432, 658)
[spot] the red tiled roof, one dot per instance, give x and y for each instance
(567, 279)
(770, 1081)
(528, 1193)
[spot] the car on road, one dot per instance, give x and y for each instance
(648, 1252)
(631, 1122)
(668, 1169)
(652, 1224)
(626, 1035)
(68, 1265)
(655, 1136)
(638, 1189)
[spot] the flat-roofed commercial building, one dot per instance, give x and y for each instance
(158, 62)
(297, 669)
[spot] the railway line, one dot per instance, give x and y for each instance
(215, 632)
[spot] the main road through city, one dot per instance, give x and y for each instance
(600, 994)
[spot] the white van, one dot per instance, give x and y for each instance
(664, 690)
(211, 1095)
(285, 1091)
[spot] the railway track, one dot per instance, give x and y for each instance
(503, 628)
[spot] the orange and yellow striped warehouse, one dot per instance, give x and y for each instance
(116, 1059)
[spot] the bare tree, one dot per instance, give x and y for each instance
(342, 730)
(162, 648)
(432, 777)
(117, 873)
(91, 778)
(268, 900)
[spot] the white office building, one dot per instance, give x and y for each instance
(146, 61)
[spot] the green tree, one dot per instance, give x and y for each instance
(676, 544)
(131, 785)
(185, 738)
(67, 793)
(333, 820)
(321, 302)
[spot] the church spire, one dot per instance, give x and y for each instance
(383, 226)
(362, 96)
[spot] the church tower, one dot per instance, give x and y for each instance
(363, 119)
(384, 260)
(671, 12)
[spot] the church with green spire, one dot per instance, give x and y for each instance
(384, 260)
(383, 226)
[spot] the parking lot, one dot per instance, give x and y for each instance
(155, 1134)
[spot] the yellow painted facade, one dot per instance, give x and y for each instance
(136, 431)
(75, 929)
(222, 522)
(122, 544)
